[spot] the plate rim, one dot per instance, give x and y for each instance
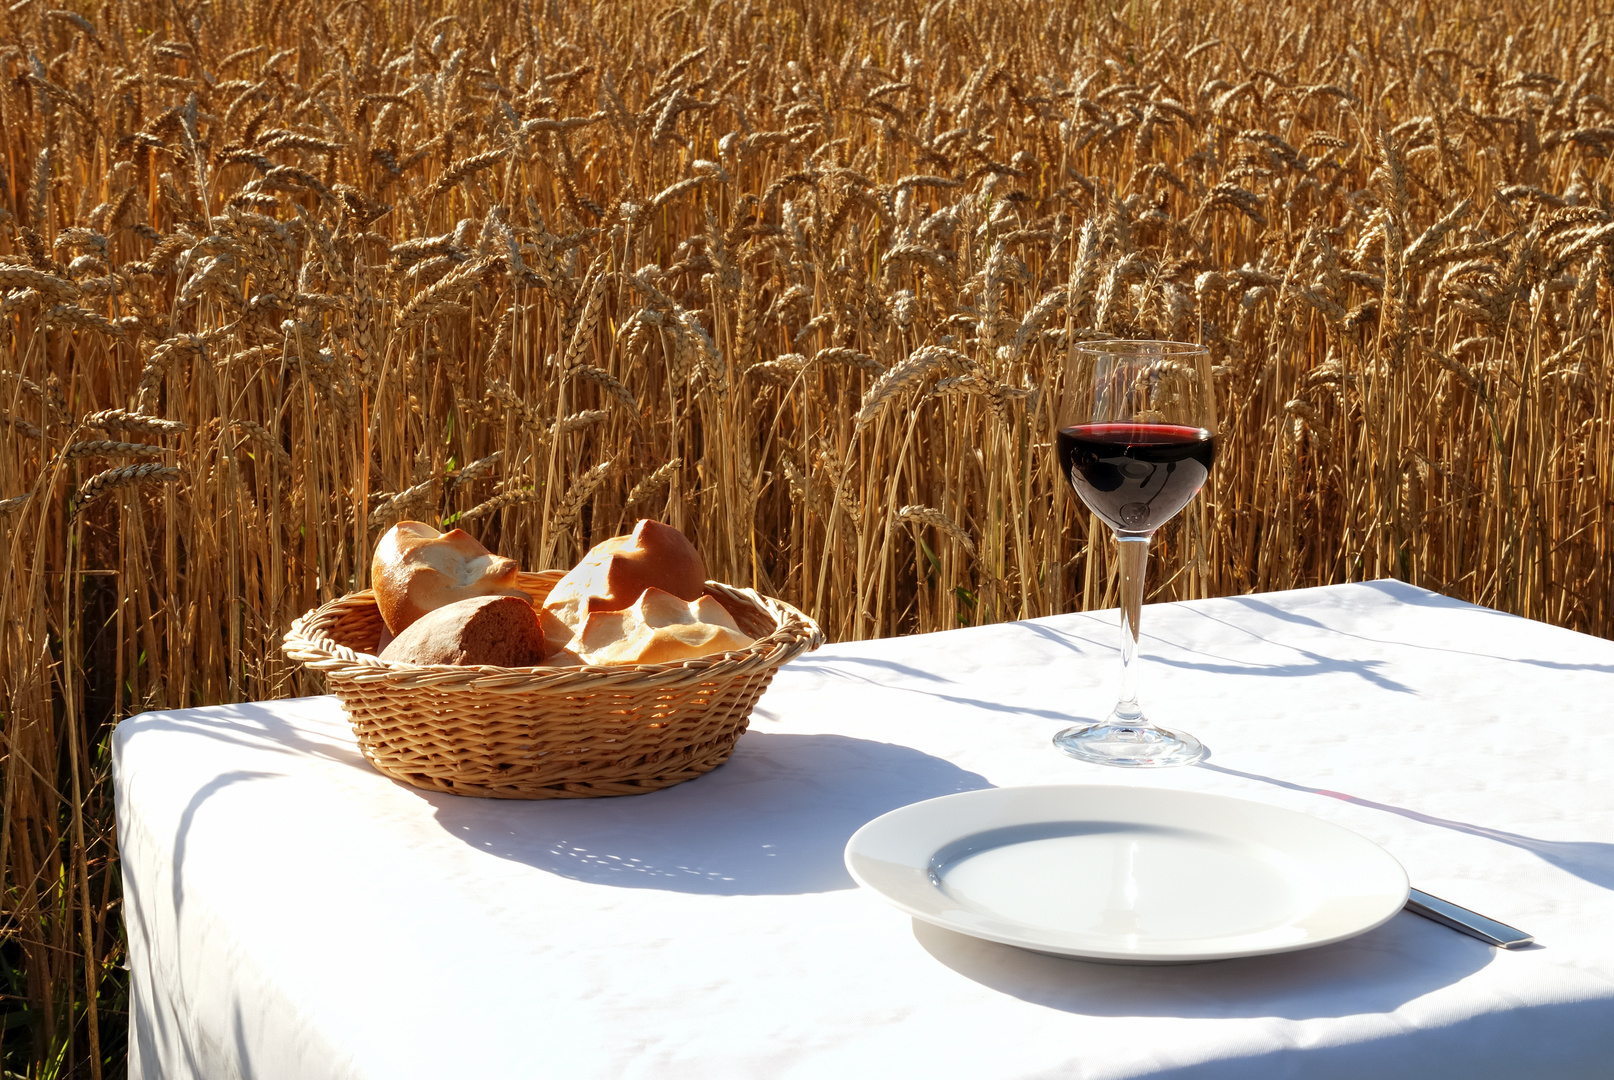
(884, 820)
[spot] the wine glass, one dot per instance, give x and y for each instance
(1136, 440)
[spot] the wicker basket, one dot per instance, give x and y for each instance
(548, 733)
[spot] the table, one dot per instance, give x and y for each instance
(293, 913)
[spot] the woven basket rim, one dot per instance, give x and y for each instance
(309, 642)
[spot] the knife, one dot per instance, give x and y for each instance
(1472, 923)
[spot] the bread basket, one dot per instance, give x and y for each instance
(548, 733)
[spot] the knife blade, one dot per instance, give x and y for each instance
(1469, 922)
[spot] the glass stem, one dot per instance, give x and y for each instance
(1134, 556)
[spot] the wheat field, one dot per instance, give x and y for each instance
(795, 278)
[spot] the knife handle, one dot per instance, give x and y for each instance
(1469, 922)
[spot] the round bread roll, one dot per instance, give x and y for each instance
(499, 630)
(658, 628)
(616, 572)
(417, 569)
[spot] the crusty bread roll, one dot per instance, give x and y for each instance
(562, 657)
(498, 630)
(659, 627)
(417, 569)
(616, 572)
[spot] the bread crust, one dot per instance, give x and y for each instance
(416, 569)
(616, 572)
(659, 628)
(502, 631)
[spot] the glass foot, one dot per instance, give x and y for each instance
(1129, 745)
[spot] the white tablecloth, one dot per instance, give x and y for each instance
(293, 913)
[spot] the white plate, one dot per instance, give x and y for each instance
(1127, 874)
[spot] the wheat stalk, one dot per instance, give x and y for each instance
(123, 476)
(571, 505)
(499, 502)
(654, 482)
(394, 507)
(124, 420)
(474, 469)
(905, 376)
(112, 448)
(925, 515)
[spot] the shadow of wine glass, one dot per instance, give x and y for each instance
(1403, 593)
(1589, 860)
(774, 819)
(1190, 658)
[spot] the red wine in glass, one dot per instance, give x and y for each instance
(1136, 476)
(1136, 441)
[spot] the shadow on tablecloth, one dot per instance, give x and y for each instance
(1589, 860)
(1377, 972)
(1559, 1041)
(1403, 593)
(774, 820)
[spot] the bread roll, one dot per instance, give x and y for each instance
(498, 630)
(417, 569)
(562, 657)
(658, 628)
(616, 572)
